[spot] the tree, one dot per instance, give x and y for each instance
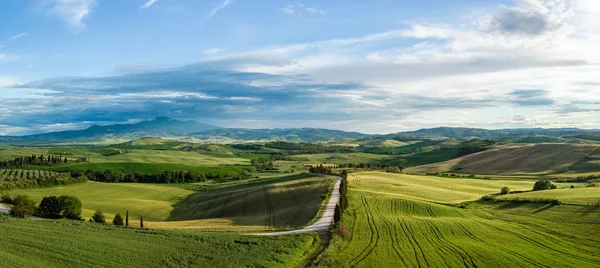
(23, 207)
(142, 222)
(543, 185)
(127, 218)
(71, 207)
(337, 215)
(50, 208)
(53, 207)
(118, 220)
(99, 217)
(505, 190)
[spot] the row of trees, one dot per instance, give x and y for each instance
(51, 207)
(24, 161)
(110, 176)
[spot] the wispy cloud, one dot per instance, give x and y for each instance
(17, 36)
(148, 4)
(219, 7)
(212, 51)
(301, 9)
(72, 12)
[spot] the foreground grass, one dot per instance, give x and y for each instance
(28, 243)
(393, 229)
(289, 201)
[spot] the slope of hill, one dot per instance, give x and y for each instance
(458, 132)
(515, 159)
(279, 134)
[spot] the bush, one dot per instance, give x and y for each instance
(23, 207)
(505, 190)
(53, 207)
(99, 217)
(342, 230)
(543, 185)
(118, 220)
(6, 199)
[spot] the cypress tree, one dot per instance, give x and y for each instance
(127, 218)
(142, 222)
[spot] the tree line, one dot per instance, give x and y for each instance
(24, 161)
(110, 176)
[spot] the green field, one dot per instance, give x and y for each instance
(289, 201)
(515, 160)
(576, 196)
(29, 243)
(394, 224)
(341, 158)
(143, 161)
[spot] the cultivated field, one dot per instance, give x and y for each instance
(16, 178)
(576, 196)
(514, 159)
(392, 226)
(341, 158)
(289, 201)
(29, 243)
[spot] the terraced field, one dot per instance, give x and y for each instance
(289, 201)
(392, 229)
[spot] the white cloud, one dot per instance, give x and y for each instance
(212, 51)
(219, 7)
(17, 36)
(72, 12)
(148, 4)
(301, 9)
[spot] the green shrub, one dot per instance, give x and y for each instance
(543, 185)
(23, 207)
(118, 220)
(505, 190)
(99, 217)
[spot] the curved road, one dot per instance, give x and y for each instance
(324, 223)
(4, 208)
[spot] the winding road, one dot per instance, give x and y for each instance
(324, 223)
(4, 208)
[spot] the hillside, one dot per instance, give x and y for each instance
(514, 159)
(278, 134)
(465, 133)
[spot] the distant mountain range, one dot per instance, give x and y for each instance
(199, 132)
(463, 133)
(185, 130)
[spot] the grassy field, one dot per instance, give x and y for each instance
(133, 160)
(515, 159)
(288, 201)
(577, 196)
(342, 158)
(29, 243)
(430, 188)
(424, 158)
(392, 225)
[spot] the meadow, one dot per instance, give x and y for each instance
(393, 223)
(279, 202)
(577, 196)
(30, 243)
(514, 160)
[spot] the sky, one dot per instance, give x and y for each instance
(377, 66)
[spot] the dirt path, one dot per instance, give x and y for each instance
(324, 223)
(4, 208)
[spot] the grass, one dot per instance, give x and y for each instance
(576, 196)
(29, 243)
(424, 158)
(515, 159)
(141, 168)
(391, 228)
(431, 188)
(132, 160)
(280, 202)
(341, 158)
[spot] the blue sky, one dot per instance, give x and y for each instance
(370, 66)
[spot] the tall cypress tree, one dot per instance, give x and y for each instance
(127, 218)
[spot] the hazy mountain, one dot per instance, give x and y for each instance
(158, 127)
(279, 134)
(187, 130)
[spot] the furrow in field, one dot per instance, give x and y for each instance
(270, 218)
(374, 240)
(390, 226)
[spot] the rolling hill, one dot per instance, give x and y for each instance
(514, 159)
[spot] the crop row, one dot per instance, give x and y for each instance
(17, 178)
